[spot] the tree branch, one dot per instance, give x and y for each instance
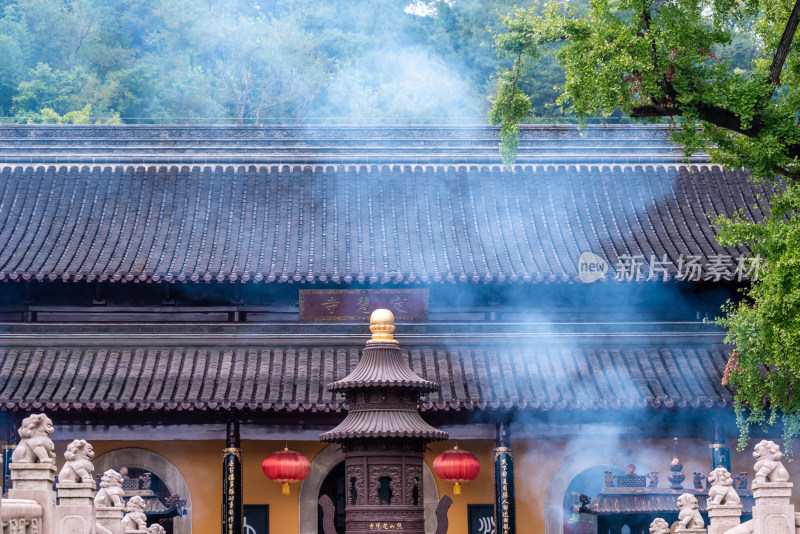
(782, 51)
(715, 115)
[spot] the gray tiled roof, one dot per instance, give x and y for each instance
(330, 144)
(536, 377)
(387, 223)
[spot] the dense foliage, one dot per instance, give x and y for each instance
(765, 328)
(726, 73)
(254, 61)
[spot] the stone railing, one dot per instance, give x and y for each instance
(75, 507)
(773, 512)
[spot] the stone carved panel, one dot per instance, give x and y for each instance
(375, 474)
(19, 525)
(74, 524)
(357, 472)
(777, 524)
(413, 478)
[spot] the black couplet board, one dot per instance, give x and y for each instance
(256, 519)
(480, 519)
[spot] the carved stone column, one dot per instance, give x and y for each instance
(232, 509)
(504, 500)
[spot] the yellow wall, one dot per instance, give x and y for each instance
(258, 489)
(479, 491)
(536, 463)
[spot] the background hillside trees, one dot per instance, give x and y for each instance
(253, 61)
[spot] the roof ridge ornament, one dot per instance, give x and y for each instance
(381, 324)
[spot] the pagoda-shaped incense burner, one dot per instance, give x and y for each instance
(383, 436)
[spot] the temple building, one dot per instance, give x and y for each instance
(181, 296)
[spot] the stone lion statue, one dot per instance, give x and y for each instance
(721, 490)
(135, 518)
(659, 526)
(769, 467)
(155, 528)
(689, 517)
(110, 493)
(79, 467)
(35, 444)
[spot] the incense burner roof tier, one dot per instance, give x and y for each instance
(383, 392)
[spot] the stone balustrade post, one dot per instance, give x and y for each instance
(75, 510)
(723, 517)
(108, 519)
(34, 481)
(773, 512)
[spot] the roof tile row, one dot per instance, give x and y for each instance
(294, 377)
(391, 224)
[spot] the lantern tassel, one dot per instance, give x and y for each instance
(286, 489)
(456, 489)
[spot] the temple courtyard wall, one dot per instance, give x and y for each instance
(544, 470)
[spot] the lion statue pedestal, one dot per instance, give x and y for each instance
(724, 504)
(773, 512)
(75, 510)
(108, 519)
(34, 481)
(33, 467)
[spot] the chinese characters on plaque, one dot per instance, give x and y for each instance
(386, 526)
(345, 305)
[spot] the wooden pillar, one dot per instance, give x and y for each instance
(232, 510)
(504, 501)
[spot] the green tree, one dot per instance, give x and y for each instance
(692, 61)
(765, 328)
(49, 88)
(11, 71)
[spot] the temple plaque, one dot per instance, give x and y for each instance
(356, 305)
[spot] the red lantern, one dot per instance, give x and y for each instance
(286, 467)
(457, 466)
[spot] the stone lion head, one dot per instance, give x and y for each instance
(687, 500)
(111, 479)
(659, 526)
(135, 504)
(79, 449)
(767, 450)
(720, 477)
(36, 425)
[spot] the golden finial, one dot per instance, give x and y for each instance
(381, 324)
